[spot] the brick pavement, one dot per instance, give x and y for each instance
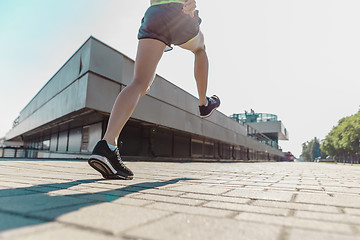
(52, 199)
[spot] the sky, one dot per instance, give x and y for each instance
(298, 59)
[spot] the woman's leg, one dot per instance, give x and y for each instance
(201, 65)
(149, 53)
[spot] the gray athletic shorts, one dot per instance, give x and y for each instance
(167, 23)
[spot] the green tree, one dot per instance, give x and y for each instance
(351, 137)
(315, 149)
(311, 150)
(328, 144)
(343, 141)
(306, 151)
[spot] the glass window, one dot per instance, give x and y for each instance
(75, 140)
(85, 139)
(63, 140)
(54, 142)
(46, 144)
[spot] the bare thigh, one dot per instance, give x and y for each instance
(195, 44)
(149, 53)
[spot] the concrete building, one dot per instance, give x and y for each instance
(70, 114)
(265, 124)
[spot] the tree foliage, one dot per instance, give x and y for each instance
(311, 150)
(343, 141)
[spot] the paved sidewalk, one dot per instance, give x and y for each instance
(53, 199)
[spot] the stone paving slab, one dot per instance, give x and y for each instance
(53, 199)
(182, 226)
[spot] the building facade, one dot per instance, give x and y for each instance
(264, 126)
(70, 114)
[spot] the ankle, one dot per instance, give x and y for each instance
(112, 147)
(113, 142)
(204, 102)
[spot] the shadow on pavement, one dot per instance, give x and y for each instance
(33, 205)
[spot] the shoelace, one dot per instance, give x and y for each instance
(119, 158)
(211, 101)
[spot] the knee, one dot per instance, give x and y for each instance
(146, 91)
(199, 50)
(200, 44)
(139, 87)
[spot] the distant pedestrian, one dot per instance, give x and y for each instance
(166, 23)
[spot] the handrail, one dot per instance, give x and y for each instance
(254, 133)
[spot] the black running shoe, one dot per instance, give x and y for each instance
(213, 103)
(109, 162)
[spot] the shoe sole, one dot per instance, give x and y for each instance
(205, 116)
(99, 163)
